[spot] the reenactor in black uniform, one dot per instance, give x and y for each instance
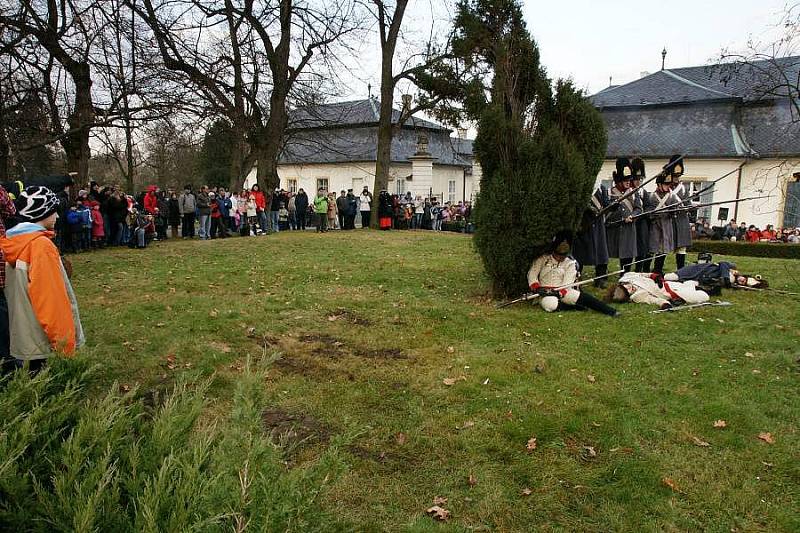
(661, 225)
(683, 230)
(621, 228)
(590, 246)
(642, 223)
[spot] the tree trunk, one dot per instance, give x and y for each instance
(240, 160)
(383, 160)
(269, 142)
(76, 143)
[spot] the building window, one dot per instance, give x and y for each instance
(791, 211)
(322, 183)
(708, 196)
(451, 191)
(291, 185)
(401, 185)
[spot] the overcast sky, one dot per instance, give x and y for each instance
(590, 40)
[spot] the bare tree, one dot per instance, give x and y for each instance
(222, 47)
(389, 21)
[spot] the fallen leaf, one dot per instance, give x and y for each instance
(172, 290)
(719, 424)
(468, 424)
(171, 358)
(450, 349)
(539, 369)
(591, 378)
(700, 442)
(509, 415)
(749, 354)
(526, 491)
(532, 444)
(251, 332)
(187, 365)
(768, 465)
(439, 500)
(400, 438)
(125, 388)
(438, 513)
(526, 334)
(160, 325)
(671, 484)
(333, 318)
(449, 381)
(486, 381)
(214, 313)
(766, 437)
(756, 371)
(472, 480)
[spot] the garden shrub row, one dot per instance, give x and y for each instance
(748, 249)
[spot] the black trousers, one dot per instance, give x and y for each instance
(300, 215)
(365, 217)
(187, 229)
(350, 221)
(342, 222)
(625, 263)
(642, 263)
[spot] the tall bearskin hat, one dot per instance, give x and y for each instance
(623, 171)
(675, 166)
(637, 168)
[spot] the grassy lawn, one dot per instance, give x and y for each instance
(364, 329)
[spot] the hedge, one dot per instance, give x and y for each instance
(748, 249)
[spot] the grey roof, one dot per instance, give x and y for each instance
(352, 113)
(360, 143)
(662, 131)
(715, 111)
(728, 81)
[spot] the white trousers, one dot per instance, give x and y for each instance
(550, 303)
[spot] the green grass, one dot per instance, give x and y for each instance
(401, 300)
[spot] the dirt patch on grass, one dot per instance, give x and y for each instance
(380, 353)
(347, 315)
(293, 429)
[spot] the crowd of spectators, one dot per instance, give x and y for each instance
(102, 216)
(743, 233)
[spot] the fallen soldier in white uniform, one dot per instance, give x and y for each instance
(644, 288)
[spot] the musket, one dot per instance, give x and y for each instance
(678, 208)
(533, 295)
(711, 185)
(770, 289)
(681, 307)
(633, 191)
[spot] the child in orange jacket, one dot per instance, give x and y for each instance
(43, 312)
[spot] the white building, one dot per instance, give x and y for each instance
(334, 147)
(721, 117)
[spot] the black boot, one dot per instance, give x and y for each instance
(680, 260)
(625, 264)
(590, 302)
(642, 264)
(600, 270)
(659, 264)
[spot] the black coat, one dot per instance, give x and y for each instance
(301, 202)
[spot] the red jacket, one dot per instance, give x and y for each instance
(769, 235)
(752, 236)
(98, 229)
(150, 202)
(261, 201)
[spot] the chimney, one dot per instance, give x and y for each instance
(643, 74)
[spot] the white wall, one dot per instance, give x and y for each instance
(760, 177)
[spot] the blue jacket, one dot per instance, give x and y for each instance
(74, 218)
(86, 217)
(225, 206)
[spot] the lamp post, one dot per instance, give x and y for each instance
(663, 57)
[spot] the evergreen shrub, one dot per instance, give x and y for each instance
(71, 462)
